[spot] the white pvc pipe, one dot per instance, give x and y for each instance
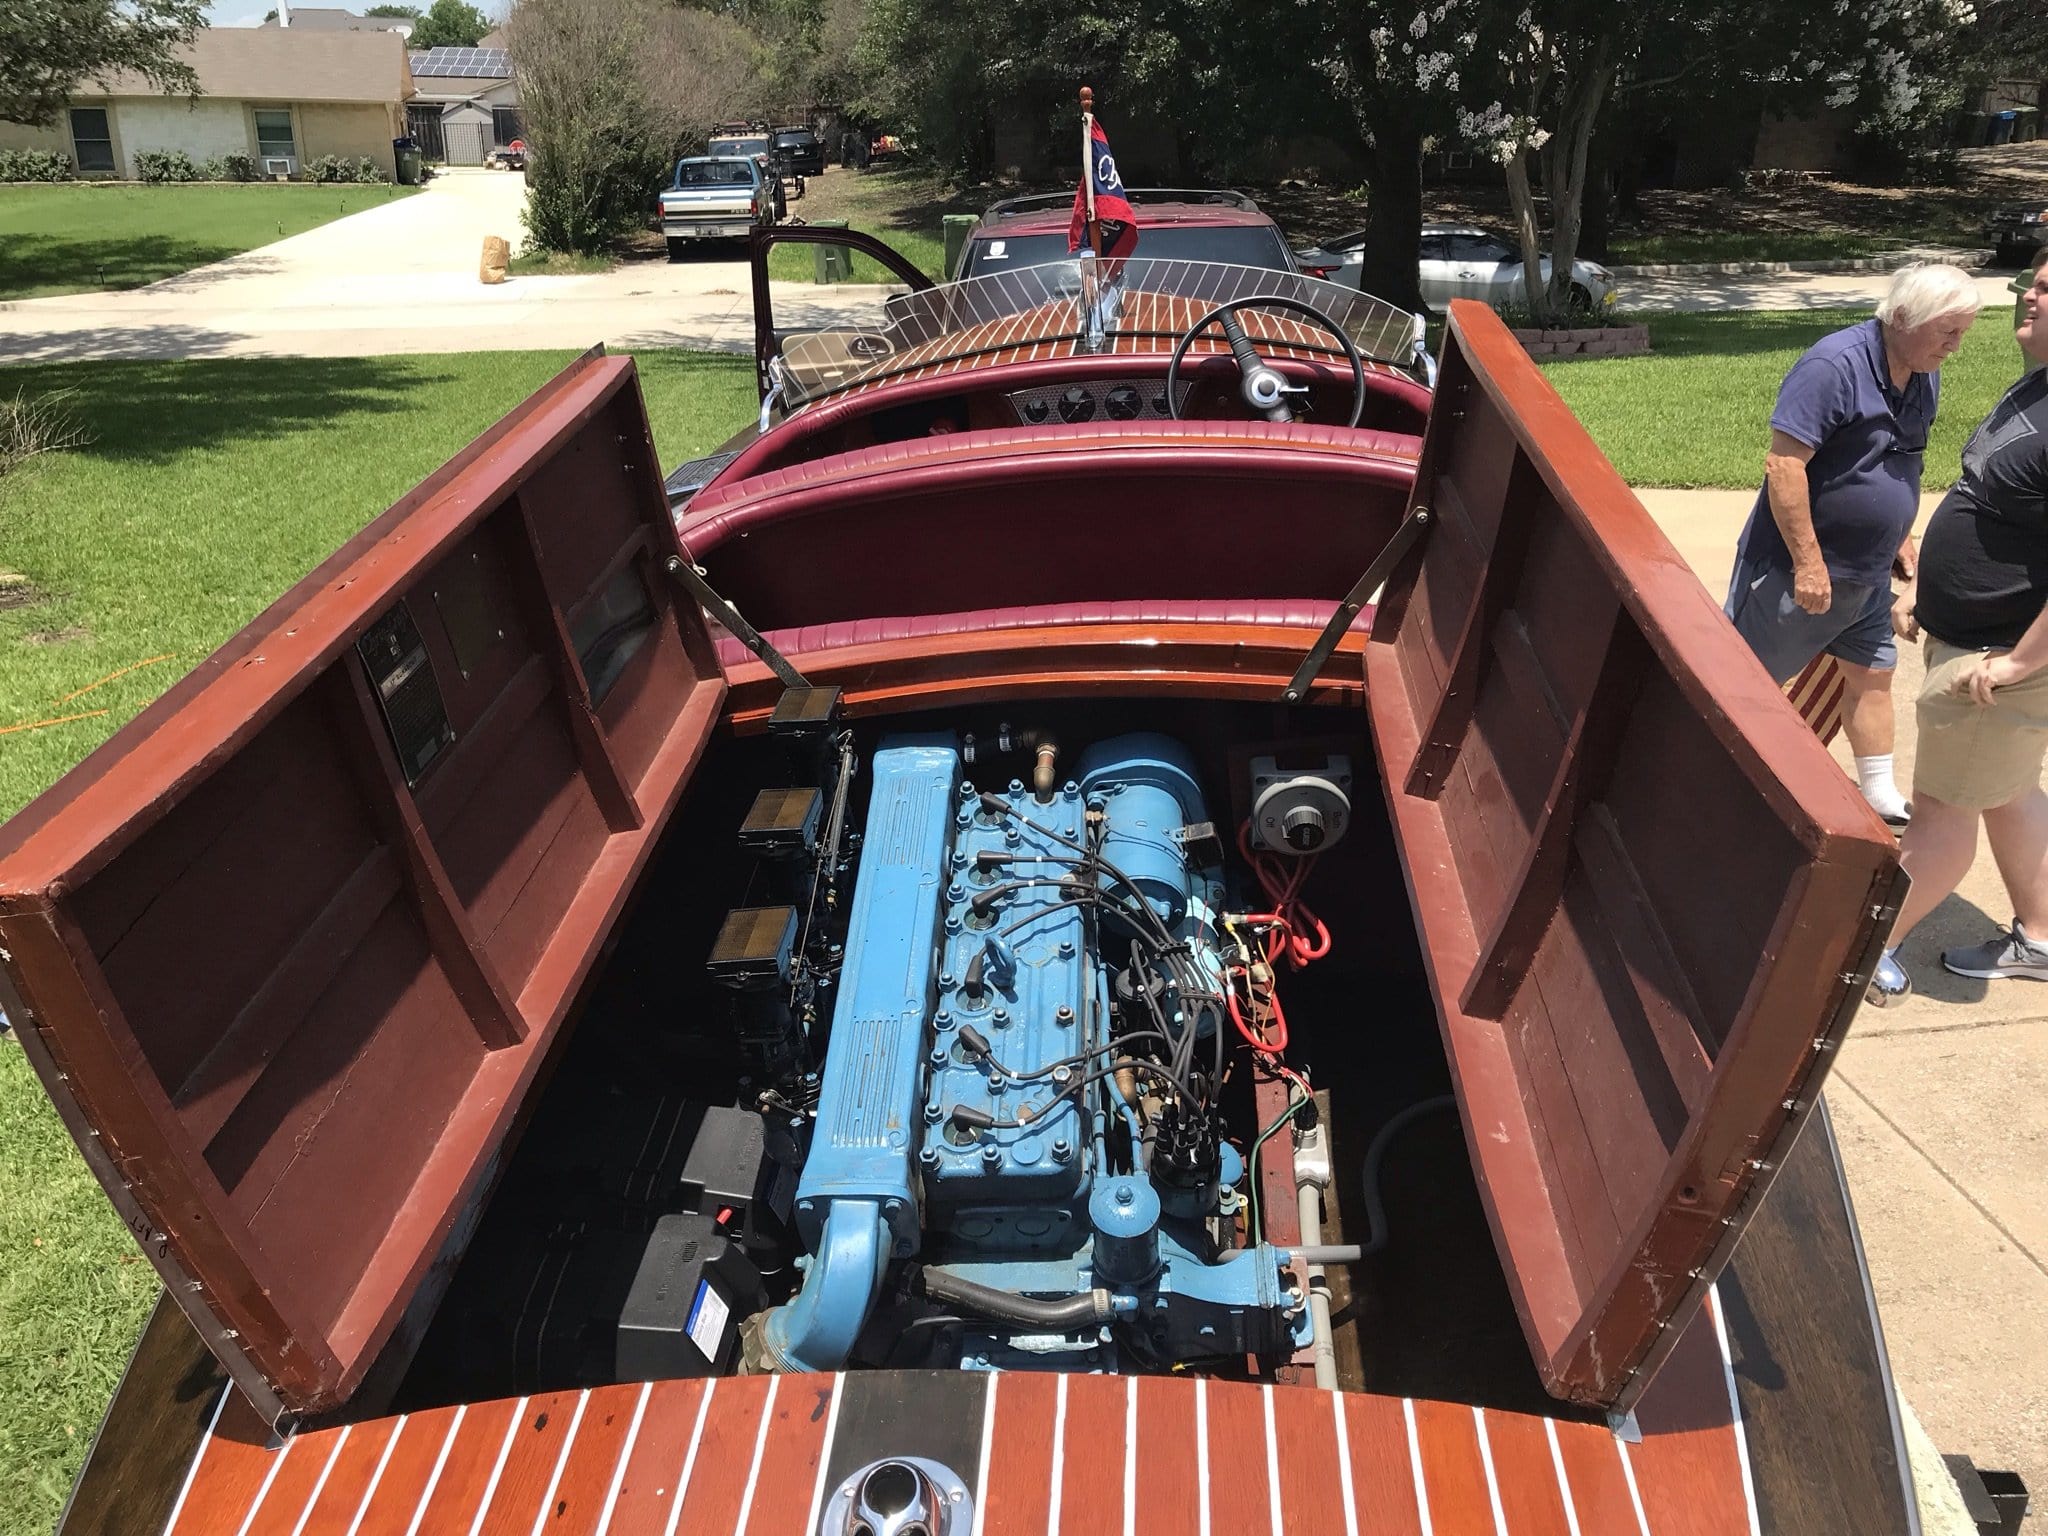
(1309, 1200)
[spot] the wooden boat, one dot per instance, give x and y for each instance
(567, 1065)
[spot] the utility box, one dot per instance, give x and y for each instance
(831, 263)
(957, 226)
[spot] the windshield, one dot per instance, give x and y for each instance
(740, 146)
(1064, 307)
(1237, 245)
(715, 173)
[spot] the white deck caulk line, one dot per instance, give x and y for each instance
(754, 1467)
(690, 1456)
(1635, 1496)
(1130, 1456)
(1564, 1483)
(611, 1498)
(1415, 1467)
(988, 1429)
(199, 1455)
(320, 1483)
(498, 1466)
(1500, 1516)
(434, 1477)
(824, 1452)
(1734, 1408)
(1344, 1464)
(1272, 1463)
(269, 1477)
(377, 1476)
(561, 1461)
(1202, 1446)
(1059, 1454)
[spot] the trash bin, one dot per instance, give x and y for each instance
(2026, 125)
(831, 263)
(957, 225)
(405, 154)
(2002, 124)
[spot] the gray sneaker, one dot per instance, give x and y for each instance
(2012, 953)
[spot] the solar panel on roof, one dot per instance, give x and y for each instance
(463, 63)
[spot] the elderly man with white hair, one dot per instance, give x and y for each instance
(1835, 515)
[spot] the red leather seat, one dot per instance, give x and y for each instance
(810, 639)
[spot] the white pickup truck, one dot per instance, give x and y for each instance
(714, 197)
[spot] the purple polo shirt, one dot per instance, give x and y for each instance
(1868, 440)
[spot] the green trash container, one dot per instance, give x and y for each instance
(406, 155)
(830, 263)
(957, 226)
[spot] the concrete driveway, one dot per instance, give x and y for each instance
(1939, 1105)
(402, 277)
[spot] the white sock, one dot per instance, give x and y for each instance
(1875, 775)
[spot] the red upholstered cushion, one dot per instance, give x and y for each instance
(810, 639)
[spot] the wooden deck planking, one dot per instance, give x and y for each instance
(1017, 1499)
(1061, 1456)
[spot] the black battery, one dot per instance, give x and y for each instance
(690, 1294)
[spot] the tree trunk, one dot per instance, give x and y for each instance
(1597, 228)
(1393, 238)
(1584, 91)
(1522, 204)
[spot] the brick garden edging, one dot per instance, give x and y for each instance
(1593, 341)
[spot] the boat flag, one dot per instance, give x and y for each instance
(1102, 214)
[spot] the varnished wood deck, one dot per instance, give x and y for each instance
(1049, 1455)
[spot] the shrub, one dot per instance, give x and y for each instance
(237, 167)
(333, 168)
(160, 165)
(34, 165)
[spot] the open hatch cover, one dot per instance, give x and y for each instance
(288, 950)
(1648, 898)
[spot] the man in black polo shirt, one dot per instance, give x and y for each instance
(1982, 598)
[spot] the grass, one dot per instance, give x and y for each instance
(903, 206)
(1696, 411)
(83, 237)
(207, 488)
(559, 263)
(1745, 245)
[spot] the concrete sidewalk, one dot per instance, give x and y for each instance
(1941, 1105)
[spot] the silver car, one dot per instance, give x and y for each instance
(1461, 261)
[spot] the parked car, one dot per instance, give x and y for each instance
(1460, 261)
(801, 149)
(1173, 223)
(2018, 230)
(716, 197)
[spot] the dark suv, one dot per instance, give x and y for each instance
(801, 150)
(1173, 224)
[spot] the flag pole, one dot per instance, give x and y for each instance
(1088, 167)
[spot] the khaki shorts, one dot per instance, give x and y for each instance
(1972, 756)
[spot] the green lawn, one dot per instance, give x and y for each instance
(1745, 245)
(901, 206)
(208, 488)
(1696, 411)
(82, 237)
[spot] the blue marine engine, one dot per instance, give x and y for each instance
(1016, 1123)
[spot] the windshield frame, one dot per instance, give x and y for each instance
(815, 365)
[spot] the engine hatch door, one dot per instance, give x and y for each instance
(1648, 899)
(289, 950)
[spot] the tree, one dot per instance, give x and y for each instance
(401, 12)
(610, 90)
(449, 24)
(49, 47)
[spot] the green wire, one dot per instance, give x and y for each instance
(1252, 1165)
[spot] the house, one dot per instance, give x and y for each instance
(277, 94)
(465, 103)
(321, 19)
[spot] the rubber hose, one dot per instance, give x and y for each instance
(1068, 1312)
(1375, 1212)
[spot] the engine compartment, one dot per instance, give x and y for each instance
(955, 1041)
